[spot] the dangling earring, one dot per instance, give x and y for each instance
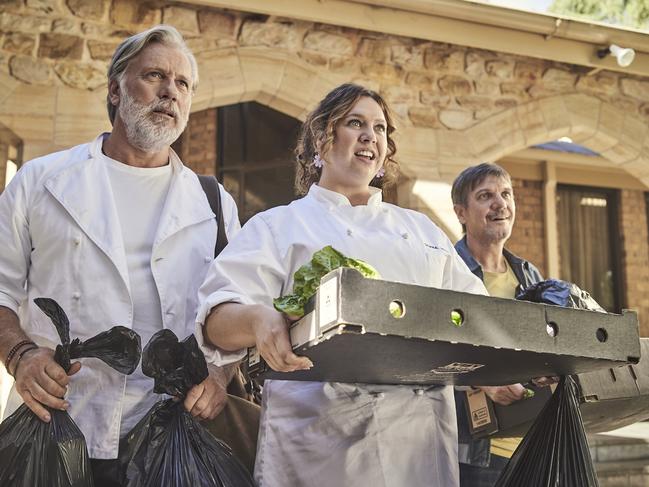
(381, 173)
(317, 161)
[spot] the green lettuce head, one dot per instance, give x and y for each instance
(307, 278)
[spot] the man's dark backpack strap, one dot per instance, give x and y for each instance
(241, 385)
(211, 187)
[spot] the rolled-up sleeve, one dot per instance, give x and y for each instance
(248, 271)
(15, 242)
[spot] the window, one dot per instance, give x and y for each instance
(589, 242)
(255, 159)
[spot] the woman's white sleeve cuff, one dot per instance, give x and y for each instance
(215, 355)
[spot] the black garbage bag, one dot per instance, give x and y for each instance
(38, 454)
(168, 446)
(559, 293)
(554, 452)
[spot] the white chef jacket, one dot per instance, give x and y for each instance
(61, 238)
(317, 433)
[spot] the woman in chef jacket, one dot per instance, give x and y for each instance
(336, 434)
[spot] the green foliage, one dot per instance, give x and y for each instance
(307, 278)
(632, 13)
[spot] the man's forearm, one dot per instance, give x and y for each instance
(10, 332)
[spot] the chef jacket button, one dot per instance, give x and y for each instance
(404, 236)
(208, 258)
(76, 295)
(349, 232)
(419, 392)
(379, 395)
(77, 240)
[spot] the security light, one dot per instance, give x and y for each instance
(624, 55)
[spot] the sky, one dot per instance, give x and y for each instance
(533, 5)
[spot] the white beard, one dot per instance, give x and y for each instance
(142, 131)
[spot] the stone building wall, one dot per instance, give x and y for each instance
(455, 105)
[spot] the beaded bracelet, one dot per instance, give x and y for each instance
(14, 349)
(31, 347)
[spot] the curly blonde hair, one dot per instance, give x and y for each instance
(318, 130)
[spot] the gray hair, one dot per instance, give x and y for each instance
(134, 45)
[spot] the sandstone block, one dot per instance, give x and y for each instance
(503, 69)
(81, 75)
(30, 70)
(58, 46)
(66, 26)
(382, 71)
(635, 88)
(505, 103)
(102, 50)
(644, 110)
(102, 31)
(559, 80)
(398, 94)
(475, 64)
(24, 23)
(314, 58)
(532, 123)
(420, 80)
(19, 43)
(604, 84)
(506, 128)
(556, 116)
(516, 90)
(424, 117)
(487, 87)
(473, 102)
(455, 85)
(438, 59)
(434, 97)
(217, 24)
(583, 111)
(411, 56)
(626, 104)
(11, 5)
(127, 12)
(456, 119)
(528, 73)
(326, 42)
(183, 19)
(45, 6)
(379, 50)
(400, 111)
(270, 34)
(89, 9)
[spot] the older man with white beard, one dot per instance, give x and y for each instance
(118, 232)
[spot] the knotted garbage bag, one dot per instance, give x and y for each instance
(38, 454)
(168, 447)
(554, 452)
(559, 293)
